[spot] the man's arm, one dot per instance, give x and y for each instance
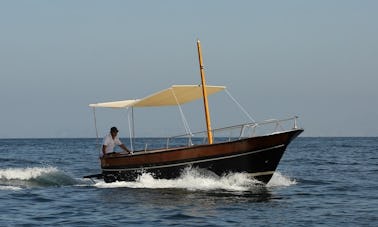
(125, 148)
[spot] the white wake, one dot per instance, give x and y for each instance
(19, 178)
(194, 179)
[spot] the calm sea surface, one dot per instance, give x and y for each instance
(320, 181)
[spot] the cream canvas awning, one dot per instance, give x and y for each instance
(175, 95)
(115, 104)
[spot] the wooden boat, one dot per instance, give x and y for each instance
(257, 155)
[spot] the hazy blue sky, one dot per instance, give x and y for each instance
(314, 59)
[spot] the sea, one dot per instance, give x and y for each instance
(327, 181)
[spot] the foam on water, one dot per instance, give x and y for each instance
(18, 178)
(25, 173)
(279, 180)
(11, 188)
(198, 179)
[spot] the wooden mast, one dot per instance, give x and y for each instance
(204, 93)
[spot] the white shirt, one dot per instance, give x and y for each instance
(110, 143)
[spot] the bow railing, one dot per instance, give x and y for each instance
(235, 132)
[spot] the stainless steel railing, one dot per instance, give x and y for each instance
(237, 132)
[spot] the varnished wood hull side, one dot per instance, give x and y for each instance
(258, 156)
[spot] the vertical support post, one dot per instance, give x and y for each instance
(131, 128)
(204, 93)
(95, 124)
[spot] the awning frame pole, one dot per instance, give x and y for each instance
(95, 124)
(131, 128)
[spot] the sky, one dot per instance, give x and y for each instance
(312, 59)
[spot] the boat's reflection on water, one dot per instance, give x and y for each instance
(256, 194)
(175, 204)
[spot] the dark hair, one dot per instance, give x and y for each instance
(113, 129)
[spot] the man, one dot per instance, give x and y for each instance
(110, 141)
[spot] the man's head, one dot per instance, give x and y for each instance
(113, 130)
